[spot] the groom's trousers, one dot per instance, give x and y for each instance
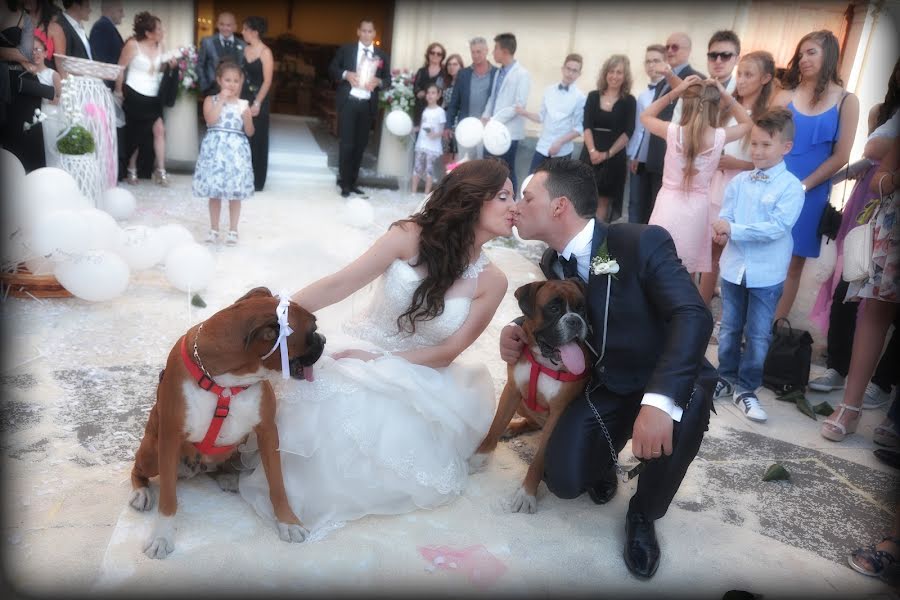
(578, 455)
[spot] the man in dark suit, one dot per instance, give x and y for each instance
(464, 102)
(105, 40)
(678, 53)
(214, 48)
(650, 329)
(70, 19)
(360, 70)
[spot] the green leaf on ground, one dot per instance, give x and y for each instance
(196, 300)
(804, 406)
(776, 473)
(790, 396)
(823, 408)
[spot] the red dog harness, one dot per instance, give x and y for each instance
(536, 370)
(208, 445)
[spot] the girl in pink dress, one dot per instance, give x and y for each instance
(693, 149)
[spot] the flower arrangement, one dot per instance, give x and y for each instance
(400, 95)
(74, 138)
(188, 80)
(603, 263)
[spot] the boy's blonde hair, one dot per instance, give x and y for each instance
(699, 110)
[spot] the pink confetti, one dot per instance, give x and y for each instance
(480, 566)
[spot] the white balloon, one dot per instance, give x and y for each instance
(173, 235)
(105, 233)
(469, 132)
(46, 190)
(96, 275)
(40, 265)
(497, 139)
(398, 123)
(190, 267)
(118, 202)
(359, 212)
(141, 247)
(16, 249)
(60, 233)
(11, 189)
(10, 164)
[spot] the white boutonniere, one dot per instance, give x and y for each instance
(240, 47)
(603, 263)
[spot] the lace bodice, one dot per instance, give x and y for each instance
(392, 296)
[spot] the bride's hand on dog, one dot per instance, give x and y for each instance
(353, 353)
(512, 338)
(652, 433)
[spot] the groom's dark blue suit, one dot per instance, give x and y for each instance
(657, 331)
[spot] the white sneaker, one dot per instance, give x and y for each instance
(875, 397)
(831, 380)
(212, 237)
(232, 238)
(749, 404)
(723, 389)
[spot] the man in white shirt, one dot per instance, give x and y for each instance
(510, 88)
(562, 114)
(654, 58)
(649, 330)
(77, 43)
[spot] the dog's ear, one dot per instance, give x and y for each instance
(261, 292)
(526, 295)
(263, 329)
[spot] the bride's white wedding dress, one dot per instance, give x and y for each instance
(384, 436)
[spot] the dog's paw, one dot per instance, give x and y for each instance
(159, 548)
(477, 462)
(161, 542)
(227, 481)
(522, 501)
(291, 532)
(141, 499)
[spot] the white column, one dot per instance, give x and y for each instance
(182, 140)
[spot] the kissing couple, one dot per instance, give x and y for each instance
(388, 425)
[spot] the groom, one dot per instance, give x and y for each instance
(650, 329)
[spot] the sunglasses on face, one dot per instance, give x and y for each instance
(435, 53)
(673, 47)
(725, 56)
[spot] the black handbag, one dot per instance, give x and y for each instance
(786, 367)
(168, 87)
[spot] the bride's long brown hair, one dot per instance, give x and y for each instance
(448, 221)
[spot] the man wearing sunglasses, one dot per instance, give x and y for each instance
(722, 57)
(678, 53)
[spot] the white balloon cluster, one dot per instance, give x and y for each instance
(50, 226)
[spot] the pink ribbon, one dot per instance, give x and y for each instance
(99, 113)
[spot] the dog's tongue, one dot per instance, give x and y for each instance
(308, 373)
(572, 357)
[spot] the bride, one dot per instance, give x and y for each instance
(386, 426)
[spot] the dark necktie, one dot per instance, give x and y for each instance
(569, 266)
(368, 52)
(562, 87)
(651, 86)
(228, 44)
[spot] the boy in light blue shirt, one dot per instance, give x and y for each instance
(758, 212)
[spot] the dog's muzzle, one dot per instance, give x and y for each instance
(301, 367)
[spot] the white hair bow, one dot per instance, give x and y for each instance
(284, 331)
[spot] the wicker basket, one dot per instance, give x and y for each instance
(90, 68)
(25, 284)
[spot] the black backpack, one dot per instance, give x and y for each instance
(786, 367)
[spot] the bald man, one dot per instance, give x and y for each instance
(678, 54)
(213, 48)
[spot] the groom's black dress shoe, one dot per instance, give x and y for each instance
(641, 547)
(603, 492)
(359, 192)
(345, 193)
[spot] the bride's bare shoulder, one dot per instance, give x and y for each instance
(404, 238)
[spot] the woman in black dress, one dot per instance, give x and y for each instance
(432, 73)
(608, 123)
(258, 67)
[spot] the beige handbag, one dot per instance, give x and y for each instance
(859, 244)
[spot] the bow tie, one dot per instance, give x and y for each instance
(758, 175)
(368, 52)
(562, 87)
(651, 86)
(569, 266)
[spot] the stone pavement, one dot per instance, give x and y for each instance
(78, 379)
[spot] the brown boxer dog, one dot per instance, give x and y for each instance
(549, 374)
(196, 424)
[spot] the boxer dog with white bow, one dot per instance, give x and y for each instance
(212, 394)
(549, 374)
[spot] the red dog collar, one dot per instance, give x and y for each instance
(208, 445)
(537, 369)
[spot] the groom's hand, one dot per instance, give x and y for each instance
(512, 338)
(652, 433)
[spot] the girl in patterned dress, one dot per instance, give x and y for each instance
(225, 168)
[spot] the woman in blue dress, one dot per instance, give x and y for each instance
(825, 118)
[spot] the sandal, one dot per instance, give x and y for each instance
(836, 431)
(882, 560)
(132, 178)
(161, 177)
